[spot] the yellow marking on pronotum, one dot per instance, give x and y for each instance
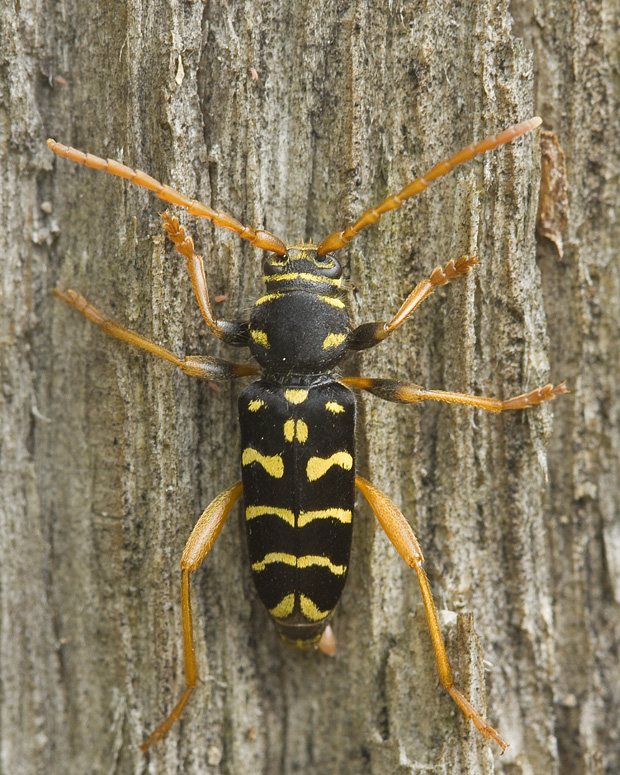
(331, 300)
(268, 297)
(295, 396)
(335, 407)
(314, 278)
(258, 511)
(342, 515)
(260, 337)
(271, 463)
(310, 610)
(284, 608)
(333, 340)
(317, 466)
(289, 430)
(268, 559)
(255, 404)
(307, 561)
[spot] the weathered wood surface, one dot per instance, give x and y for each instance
(108, 455)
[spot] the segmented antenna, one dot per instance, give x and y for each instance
(339, 239)
(259, 238)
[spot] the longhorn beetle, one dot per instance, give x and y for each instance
(298, 419)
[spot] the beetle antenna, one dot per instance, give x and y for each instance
(258, 238)
(339, 239)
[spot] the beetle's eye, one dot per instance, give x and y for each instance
(274, 264)
(328, 266)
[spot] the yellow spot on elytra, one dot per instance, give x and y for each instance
(259, 337)
(307, 561)
(287, 515)
(310, 610)
(255, 404)
(331, 300)
(289, 430)
(318, 466)
(268, 297)
(333, 340)
(271, 463)
(284, 607)
(342, 515)
(318, 559)
(333, 406)
(295, 396)
(296, 429)
(268, 559)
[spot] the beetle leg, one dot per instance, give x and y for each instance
(408, 393)
(402, 536)
(203, 366)
(233, 332)
(196, 549)
(370, 334)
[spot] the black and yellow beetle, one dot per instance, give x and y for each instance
(298, 420)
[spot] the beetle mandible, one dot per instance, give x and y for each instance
(298, 419)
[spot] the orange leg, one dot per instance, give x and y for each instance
(370, 334)
(439, 277)
(203, 366)
(402, 536)
(200, 542)
(408, 393)
(233, 332)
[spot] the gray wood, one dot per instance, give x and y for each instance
(108, 456)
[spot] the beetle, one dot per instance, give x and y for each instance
(298, 418)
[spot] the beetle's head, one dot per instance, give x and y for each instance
(301, 268)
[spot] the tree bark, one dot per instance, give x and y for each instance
(295, 117)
